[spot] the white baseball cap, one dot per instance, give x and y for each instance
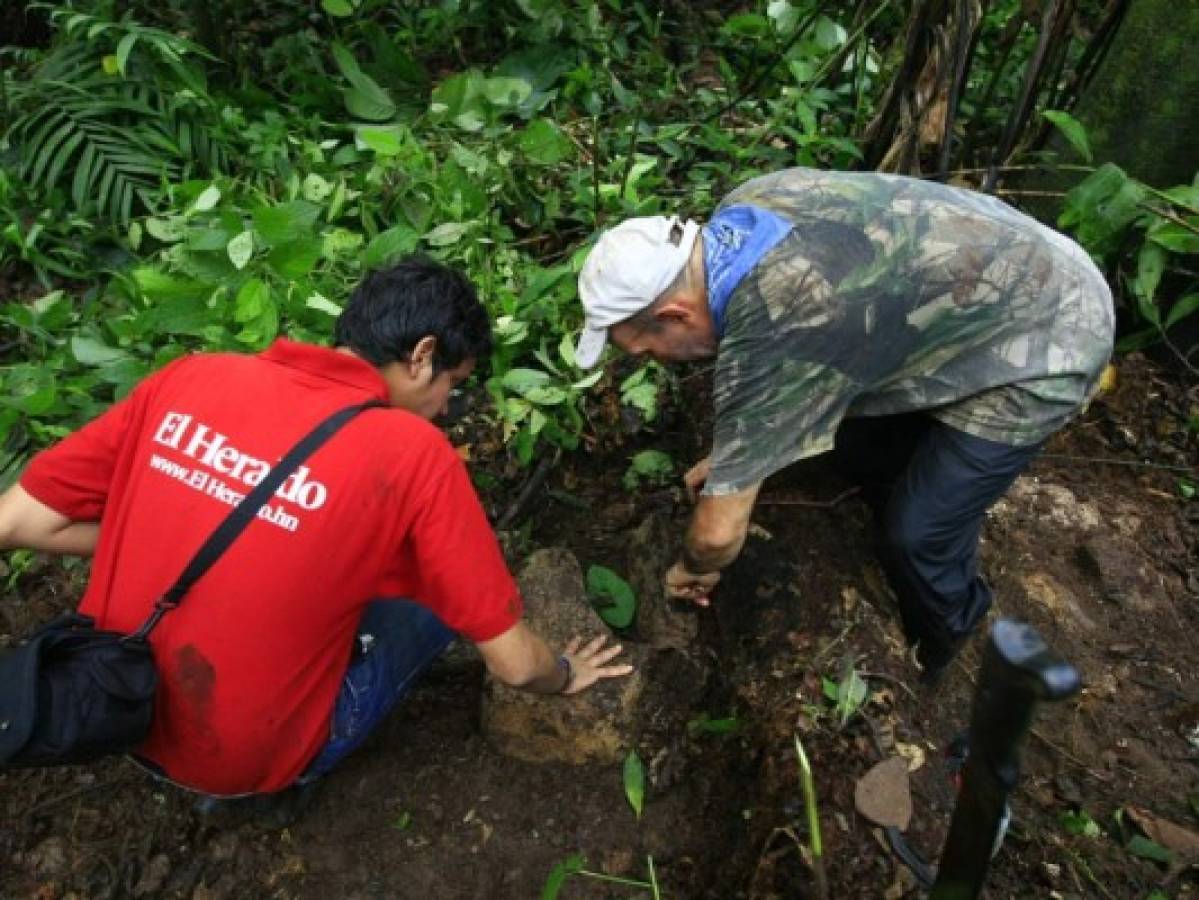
(626, 270)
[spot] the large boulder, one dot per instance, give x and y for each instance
(597, 725)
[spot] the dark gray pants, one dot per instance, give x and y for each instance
(930, 486)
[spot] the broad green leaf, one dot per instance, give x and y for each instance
(168, 230)
(160, 286)
(1176, 237)
(651, 465)
(460, 98)
(634, 781)
(747, 25)
(176, 315)
(90, 352)
(208, 199)
(340, 242)
(285, 222)
(1144, 848)
(829, 34)
(385, 140)
(1151, 263)
(543, 143)
(315, 188)
(110, 64)
(31, 389)
(617, 605)
(388, 245)
(1072, 130)
(558, 875)
(446, 233)
(323, 304)
(240, 249)
(208, 239)
(784, 16)
(297, 258)
(1183, 307)
(506, 91)
(364, 98)
(251, 300)
(340, 9)
(1186, 196)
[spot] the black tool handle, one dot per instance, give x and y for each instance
(1018, 671)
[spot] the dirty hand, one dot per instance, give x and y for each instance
(683, 585)
(589, 663)
(695, 477)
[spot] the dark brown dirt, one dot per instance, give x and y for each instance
(1100, 557)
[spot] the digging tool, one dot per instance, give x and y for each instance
(1018, 671)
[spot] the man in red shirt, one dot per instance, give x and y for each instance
(258, 691)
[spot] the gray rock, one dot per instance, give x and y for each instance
(597, 725)
(661, 623)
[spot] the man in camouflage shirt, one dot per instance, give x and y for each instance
(932, 336)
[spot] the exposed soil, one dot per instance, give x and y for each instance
(1100, 557)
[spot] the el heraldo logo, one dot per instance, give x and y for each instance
(212, 451)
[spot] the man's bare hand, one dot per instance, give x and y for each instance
(683, 585)
(589, 664)
(695, 477)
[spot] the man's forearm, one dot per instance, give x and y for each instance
(700, 558)
(28, 524)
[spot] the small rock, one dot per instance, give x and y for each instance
(596, 725)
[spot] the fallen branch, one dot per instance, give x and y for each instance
(525, 497)
(815, 504)
(1119, 462)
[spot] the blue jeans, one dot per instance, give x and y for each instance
(930, 487)
(396, 642)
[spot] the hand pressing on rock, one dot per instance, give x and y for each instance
(588, 663)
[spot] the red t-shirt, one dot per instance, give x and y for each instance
(251, 662)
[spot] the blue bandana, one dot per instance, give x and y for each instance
(734, 241)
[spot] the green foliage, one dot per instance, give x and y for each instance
(1149, 236)
(111, 113)
(1080, 823)
(1072, 130)
(634, 782)
(848, 694)
(652, 466)
(612, 595)
(572, 865)
(705, 724)
(1142, 847)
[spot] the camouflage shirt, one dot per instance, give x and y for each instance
(892, 295)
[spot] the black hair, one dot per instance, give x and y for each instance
(393, 308)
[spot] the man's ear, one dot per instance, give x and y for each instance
(422, 355)
(672, 310)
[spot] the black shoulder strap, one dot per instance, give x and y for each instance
(245, 511)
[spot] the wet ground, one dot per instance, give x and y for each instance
(1094, 548)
